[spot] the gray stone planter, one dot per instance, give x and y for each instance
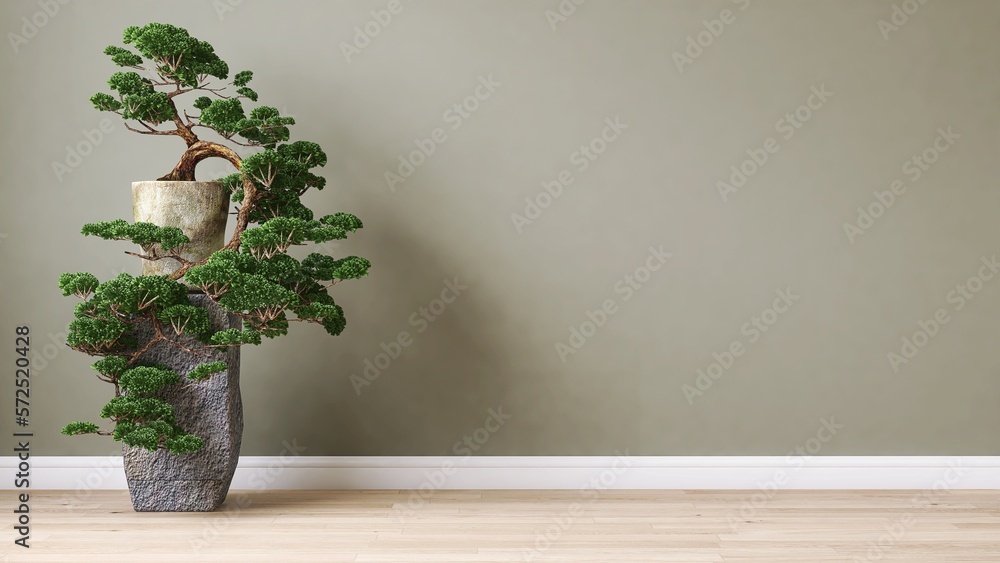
(211, 409)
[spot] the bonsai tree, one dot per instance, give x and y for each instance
(252, 275)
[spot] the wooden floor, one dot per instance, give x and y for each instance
(609, 526)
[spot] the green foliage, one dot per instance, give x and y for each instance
(264, 125)
(171, 237)
(145, 409)
(330, 316)
(264, 168)
(143, 234)
(257, 292)
(274, 326)
(119, 229)
(335, 324)
(223, 115)
(102, 324)
(137, 98)
(156, 434)
(105, 102)
(183, 443)
(96, 335)
(74, 428)
(235, 337)
(232, 260)
(127, 295)
(247, 92)
(143, 436)
(130, 83)
(146, 380)
(222, 270)
(278, 234)
(204, 371)
(122, 57)
(262, 241)
(281, 204)
(351, 268)
(186, 319)
(122, 429)
(284, 171)
(112, 366)
(282, 269)
(144, 421)
(306, 152)
(233, 183)
(79, 284)
(323, 267)
(177, 54)
(152, 107)
(344, 221)
(268, 286)
(242, 78)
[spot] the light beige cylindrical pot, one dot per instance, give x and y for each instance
(200, 209)
(212, 409)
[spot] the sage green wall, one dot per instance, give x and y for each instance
(873, 86)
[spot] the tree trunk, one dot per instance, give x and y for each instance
(195, 153)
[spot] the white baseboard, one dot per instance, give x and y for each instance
(544, 472)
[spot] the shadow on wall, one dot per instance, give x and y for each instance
(417, 370)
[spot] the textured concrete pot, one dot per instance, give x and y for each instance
(212, 409)
(200, 209)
